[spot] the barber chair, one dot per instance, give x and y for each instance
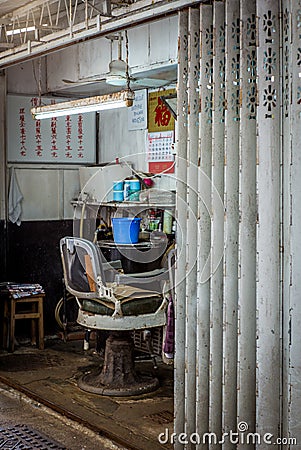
(119, 303)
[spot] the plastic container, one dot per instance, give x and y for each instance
(118, 196)
(167, 222)
(134, 196)
(134, 185)
(118, 186)
(126, 189)
(149, 182)
(154, 224)
(126, 230)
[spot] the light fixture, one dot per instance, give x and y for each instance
(20, 30)
(84, 105)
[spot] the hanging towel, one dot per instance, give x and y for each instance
(169, 344)
(14, 199)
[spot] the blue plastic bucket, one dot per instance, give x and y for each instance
(134, 196)
(118, 186)
(134, 185)
(126, 230)
(118, 196)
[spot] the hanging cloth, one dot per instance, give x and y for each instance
(15, 198)
(169, 343)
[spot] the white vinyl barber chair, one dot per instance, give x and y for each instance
(119, 305)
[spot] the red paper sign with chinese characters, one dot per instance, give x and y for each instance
(161, 126)
(159, 116)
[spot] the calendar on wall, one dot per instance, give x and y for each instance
(160, 152)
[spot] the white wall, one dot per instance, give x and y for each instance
(117, 141)
(47, 191)
(151, 46)
(24, 78)
(61, 65)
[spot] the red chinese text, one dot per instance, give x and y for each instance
(68, 149)
(54, 149)
(80, 136)
(22, 123)
(163, 115)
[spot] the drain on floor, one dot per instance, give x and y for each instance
(161, 417)
(21, 437)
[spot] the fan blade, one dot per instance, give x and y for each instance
(116, 80)
(150, 82)
(84, 81)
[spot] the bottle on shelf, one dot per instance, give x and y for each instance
(167, 222)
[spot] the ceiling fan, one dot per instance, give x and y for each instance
(119, 73)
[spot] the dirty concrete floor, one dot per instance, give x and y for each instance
(17, 409)
(49, 377)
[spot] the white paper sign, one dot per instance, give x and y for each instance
(68, 139)
(137, 114)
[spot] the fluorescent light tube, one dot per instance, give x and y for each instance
(20, 30)
(84, 105)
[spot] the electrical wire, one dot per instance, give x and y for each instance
(81, 225)
(58, 309)
(151, 176)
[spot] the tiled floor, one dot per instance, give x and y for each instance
(50, 377)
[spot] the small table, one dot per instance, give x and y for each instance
(17, 308)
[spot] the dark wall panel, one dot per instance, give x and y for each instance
(33, 257)
(2, 251)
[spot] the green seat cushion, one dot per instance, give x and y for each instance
(133, 307)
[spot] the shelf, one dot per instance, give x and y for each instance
(112, 244)
(124, 204)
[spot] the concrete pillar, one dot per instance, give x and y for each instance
(268, 349)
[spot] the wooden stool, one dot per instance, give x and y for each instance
(13, 313)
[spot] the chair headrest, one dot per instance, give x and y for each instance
(70, 246)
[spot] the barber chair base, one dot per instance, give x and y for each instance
(118, 376)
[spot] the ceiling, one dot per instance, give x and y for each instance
(34, 20)
(34, 27)
(7, 6)
(18, 7)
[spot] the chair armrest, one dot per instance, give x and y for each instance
(151, 273)
(112, 265)
(152, 281)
